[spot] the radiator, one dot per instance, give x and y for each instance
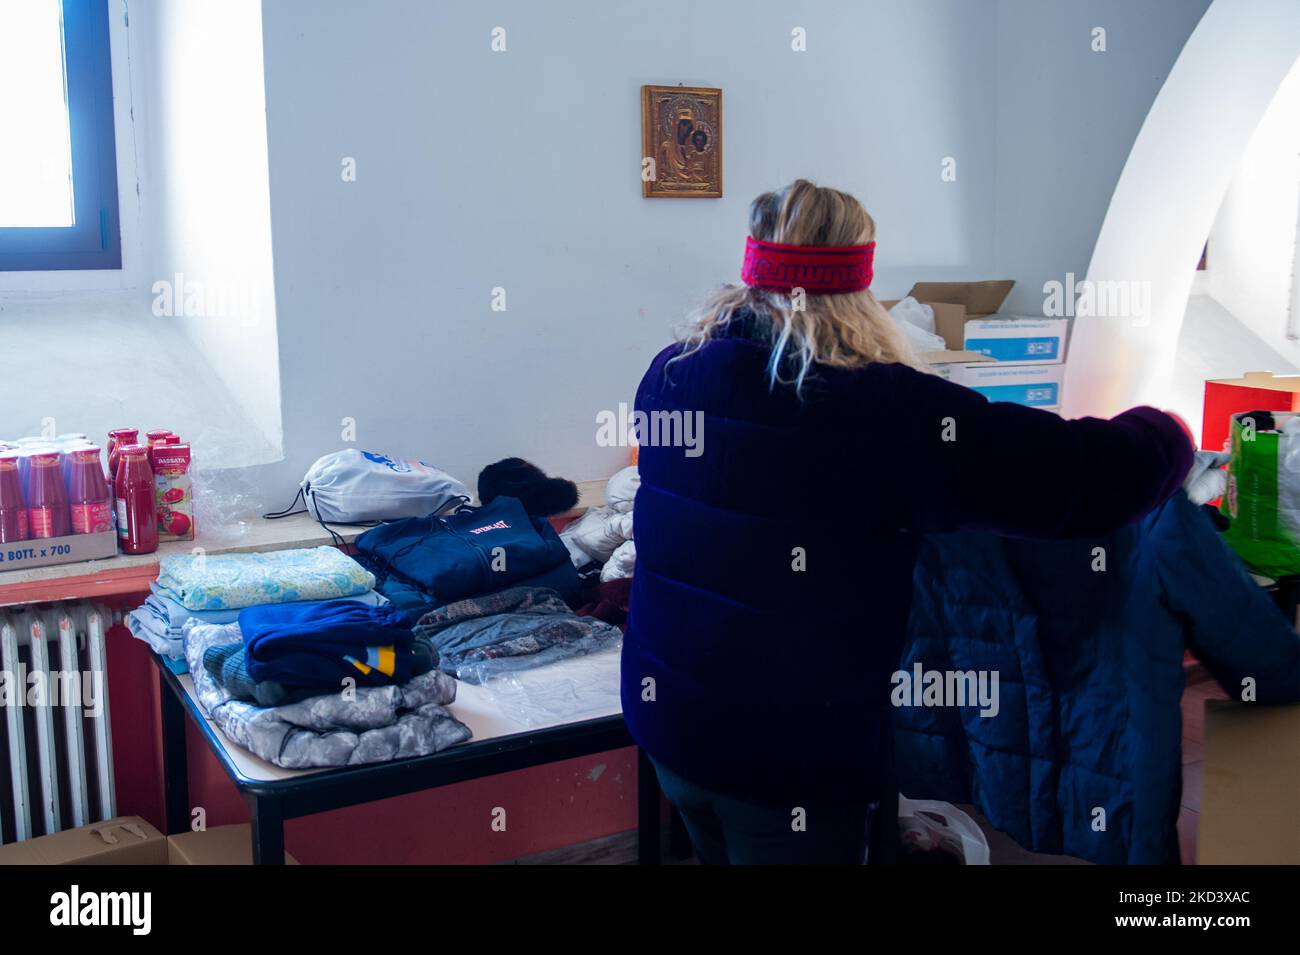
(56, 749)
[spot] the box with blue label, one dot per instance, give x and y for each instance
(1013, 338)
(1037, 386)
(966, 315)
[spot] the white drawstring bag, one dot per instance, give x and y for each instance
(359, 487)
(928, 825)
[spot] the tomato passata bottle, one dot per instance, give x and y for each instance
(13, 512)
(88, 492)
(47, 498)
(137, 521)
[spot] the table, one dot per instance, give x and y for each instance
(274, 794)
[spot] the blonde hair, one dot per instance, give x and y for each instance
(839, 331)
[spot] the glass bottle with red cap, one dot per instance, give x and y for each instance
(117, 438)
(47, 498)
(13, 511)
(88, 492)
(137, 519)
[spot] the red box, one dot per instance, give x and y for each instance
(1254, 391)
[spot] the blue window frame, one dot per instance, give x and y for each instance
(58, 160)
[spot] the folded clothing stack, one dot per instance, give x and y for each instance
(369, 724)
(320, 643)
(520, 628)
(160, 619)
(294, 651)
(425, 562)
(236, 581)
(214, 589)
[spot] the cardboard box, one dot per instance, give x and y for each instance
(1250, 793)
(1254, 391)
(220, 845)
(1017, 339)
(950, 317)
(57, 550)
(965, 314)
(129, 840)
(126, 840)
(1036, 386)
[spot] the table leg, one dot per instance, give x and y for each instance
(647, 810)
(176, 785)
(268, 830)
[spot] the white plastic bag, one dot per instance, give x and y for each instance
(354, 487)
(917, 323)
(928, 825)
(912, 312)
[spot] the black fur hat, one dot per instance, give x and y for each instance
(515, 477)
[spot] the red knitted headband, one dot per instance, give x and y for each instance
(819, 270)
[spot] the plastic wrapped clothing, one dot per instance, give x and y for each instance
(368, 725)
(1087, 638)
(235, 581)
(602, 531)
(516, 629)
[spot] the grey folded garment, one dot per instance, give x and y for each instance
(228, 665)
(370, 724)
(520, 628)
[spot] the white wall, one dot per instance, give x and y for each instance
(519, 169)
(201, 134)
(1067, 116)
(1252, 258)
(1165, 202)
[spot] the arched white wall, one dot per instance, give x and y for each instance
(1165, 202)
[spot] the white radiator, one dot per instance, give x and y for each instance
(56, 749)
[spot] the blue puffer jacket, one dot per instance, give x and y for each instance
(774, 557)
(1087, 637)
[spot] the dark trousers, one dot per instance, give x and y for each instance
(728, 831)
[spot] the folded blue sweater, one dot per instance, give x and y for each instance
(321, 643)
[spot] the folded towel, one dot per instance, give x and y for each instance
(314, 644)
(144, 626)
(236, 581)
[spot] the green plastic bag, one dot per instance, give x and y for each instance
(1263, 497)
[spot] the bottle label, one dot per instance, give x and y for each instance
(93, 517)
(41, 521)
(122, 531)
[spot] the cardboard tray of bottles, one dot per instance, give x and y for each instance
(21, 555)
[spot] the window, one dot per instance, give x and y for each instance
(58, 166)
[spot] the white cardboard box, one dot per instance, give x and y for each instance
(1036, 386)
(1017, 339)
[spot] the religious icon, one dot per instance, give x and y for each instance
(681, 136)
